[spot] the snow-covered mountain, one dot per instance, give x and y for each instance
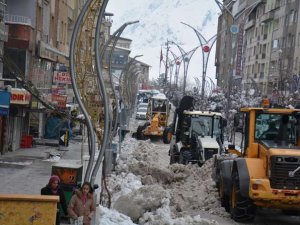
(160, 20)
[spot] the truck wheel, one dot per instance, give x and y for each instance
(184, 157)
(224, 199)
(167, 135)
(241, 208)
(139, 133)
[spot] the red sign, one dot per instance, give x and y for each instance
(60, 100)
(61, 77)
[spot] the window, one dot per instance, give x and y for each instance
(275, 43)
(46, 19)
(277, 129)
(295, 16)
(292, 15)
(276, 24)
(296, 63)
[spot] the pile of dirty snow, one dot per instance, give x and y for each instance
(147, 189)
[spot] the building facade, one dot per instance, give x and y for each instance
(264, 53)
(38, 46)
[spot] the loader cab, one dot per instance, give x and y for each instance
(277, 127)
(158, 104)
(200, 124)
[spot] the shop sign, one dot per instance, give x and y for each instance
(4, 103)
(59, 100)
(20, 96)
(61, 77)
(58, 90)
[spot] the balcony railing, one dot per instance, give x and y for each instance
(15, 19)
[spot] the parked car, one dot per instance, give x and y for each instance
(141, 113)
(142, 105)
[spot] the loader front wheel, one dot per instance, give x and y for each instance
(139, 133)
(241, 208)
(167, 135)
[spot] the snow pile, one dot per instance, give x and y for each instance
(151, 192)
(113, 217)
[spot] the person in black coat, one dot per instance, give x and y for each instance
(52, 188)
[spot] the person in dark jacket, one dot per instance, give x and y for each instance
(53, 188)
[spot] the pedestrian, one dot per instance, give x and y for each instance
(82, 204)
(53, 188)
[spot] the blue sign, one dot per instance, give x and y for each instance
(4, 103)
(234, 29)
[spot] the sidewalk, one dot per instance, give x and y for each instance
(27, 170)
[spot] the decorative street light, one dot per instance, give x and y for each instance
(116, 35)
(176, 62)
(186, 56)
(76, 59)
(206, 47)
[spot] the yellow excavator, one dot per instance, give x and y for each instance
(265, 171)
(158, 112)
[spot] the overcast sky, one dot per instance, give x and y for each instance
(159, 21)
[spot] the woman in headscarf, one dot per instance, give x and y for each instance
(82, 204)
(53, 188)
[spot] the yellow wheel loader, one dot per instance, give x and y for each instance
(158, 111)
(265, 172)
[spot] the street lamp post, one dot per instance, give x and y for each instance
(116, 35)
(206, 46)
(176, 62)
(123, 105)
(186, 56)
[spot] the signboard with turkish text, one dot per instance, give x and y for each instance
(58, 90)
(60, 100)
(61, 77)
(239, 52)
(20, 96)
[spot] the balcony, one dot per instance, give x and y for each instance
(249, 24)
(70, 13)
(267, 16)
(19, 31)
(15, 19)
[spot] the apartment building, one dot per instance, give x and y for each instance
(38, 45)
(4, 92)
(269, 58)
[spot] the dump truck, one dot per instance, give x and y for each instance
(157, 116)
(194, 136)
(265, 170)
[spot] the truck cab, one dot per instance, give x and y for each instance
(197, 136)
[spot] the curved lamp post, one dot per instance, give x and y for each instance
(116, 35)
(186, 56)
(206, 46)
(74, 40)
(176, 62)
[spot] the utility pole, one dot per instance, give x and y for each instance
(166, 67)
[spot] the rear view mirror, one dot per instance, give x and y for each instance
(236, 121)
(224, 123)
